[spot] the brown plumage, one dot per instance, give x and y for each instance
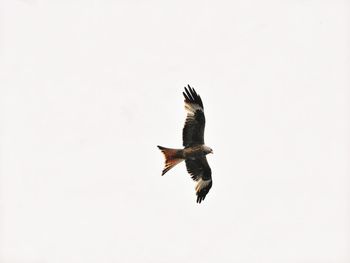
(172, 157)
(195, 151)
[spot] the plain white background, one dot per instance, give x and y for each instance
(89, 88)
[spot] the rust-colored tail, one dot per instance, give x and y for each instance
(172, 157)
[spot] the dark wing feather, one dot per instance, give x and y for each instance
(193, 131)
(200, 171)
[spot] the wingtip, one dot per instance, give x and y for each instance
(200, 199)
(186, 98)
(192, 96)
(189, 95)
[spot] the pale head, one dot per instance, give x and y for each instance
(207, 149)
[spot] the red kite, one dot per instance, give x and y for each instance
(195, 151)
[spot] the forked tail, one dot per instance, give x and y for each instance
(172, 157)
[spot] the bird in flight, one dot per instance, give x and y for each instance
(195, 151)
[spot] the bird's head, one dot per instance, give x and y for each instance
(208, 149)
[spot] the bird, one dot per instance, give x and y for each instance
(194, 151)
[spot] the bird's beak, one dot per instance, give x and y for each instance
(211, 151)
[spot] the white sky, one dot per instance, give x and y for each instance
(89, 88)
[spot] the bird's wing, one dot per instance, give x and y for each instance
(193, 131)
(200, 171)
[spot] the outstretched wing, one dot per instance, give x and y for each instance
(193, 131)
(200, 171)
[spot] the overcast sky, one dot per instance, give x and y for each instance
(89, 88)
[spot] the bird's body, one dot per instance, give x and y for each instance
(195, 151)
